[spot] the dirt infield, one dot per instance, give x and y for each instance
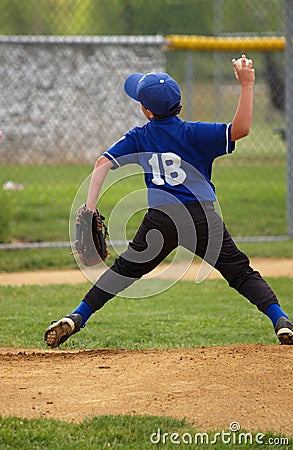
(268, 267)
(209, 387)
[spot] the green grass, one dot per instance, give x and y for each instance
(251, 190)
(257, 204)
(246, 188)
(121, 432)
(278, 249)
(176, 318)
(36, 259)
(173, 319)
(60, 258)
(41, 211)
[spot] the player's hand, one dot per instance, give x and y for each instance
(244, 72)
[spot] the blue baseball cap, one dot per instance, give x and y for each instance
(157, 92)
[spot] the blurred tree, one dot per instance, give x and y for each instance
(242, 16)
(165, 17)
(132, 17)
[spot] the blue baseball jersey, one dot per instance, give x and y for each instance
(176, 157)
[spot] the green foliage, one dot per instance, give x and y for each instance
(130, 17)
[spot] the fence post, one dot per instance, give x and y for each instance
(289, 110)
(189, 83)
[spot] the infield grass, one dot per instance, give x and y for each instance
(186, 315)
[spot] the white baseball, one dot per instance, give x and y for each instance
(239, 62)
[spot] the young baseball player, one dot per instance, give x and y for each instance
(177, 159)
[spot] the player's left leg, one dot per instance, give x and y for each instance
(154, 240)
(235, 268)
(284, 329)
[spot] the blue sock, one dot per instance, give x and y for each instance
(85, 311)
(274, 312)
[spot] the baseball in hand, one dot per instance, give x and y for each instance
(1, 134)
(239, 62)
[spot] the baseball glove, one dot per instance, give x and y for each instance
(90, 241)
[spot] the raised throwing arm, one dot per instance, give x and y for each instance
(241, 122)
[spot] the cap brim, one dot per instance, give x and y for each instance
(130, 85)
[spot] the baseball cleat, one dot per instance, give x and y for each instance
(58, 332)
(284, 331)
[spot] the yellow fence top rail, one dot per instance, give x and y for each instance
(228, 43)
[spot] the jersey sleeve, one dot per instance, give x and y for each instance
(214, 139)
(122, 152)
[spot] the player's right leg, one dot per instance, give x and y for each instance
(144, 253)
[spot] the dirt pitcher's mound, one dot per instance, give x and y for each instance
(210, 387)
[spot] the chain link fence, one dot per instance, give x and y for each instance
(61, 97)
(63, 64)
